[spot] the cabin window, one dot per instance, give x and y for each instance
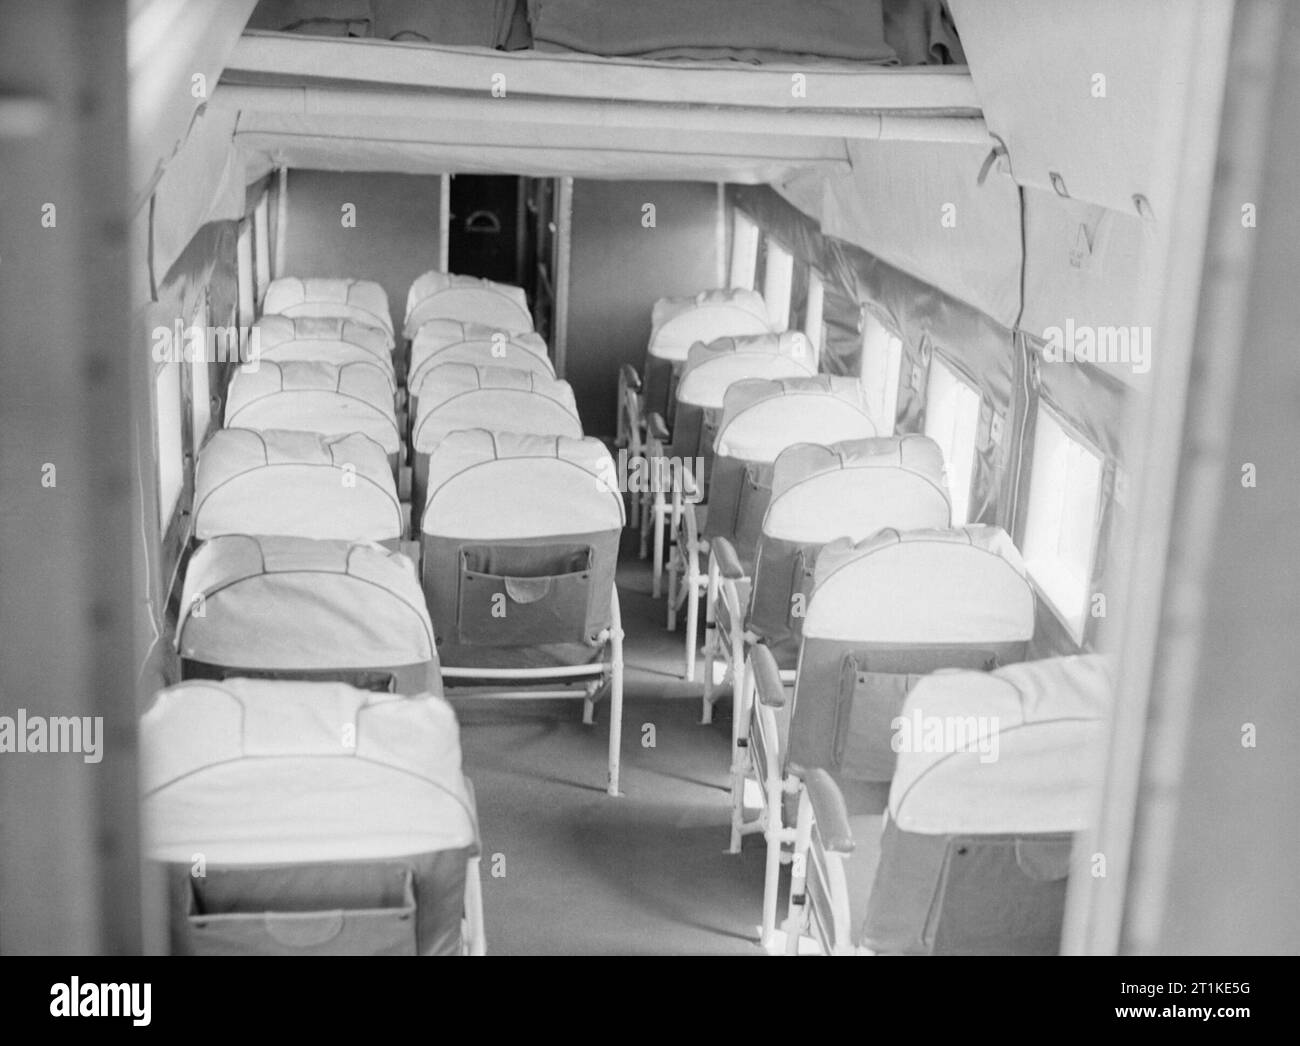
(778, 281)
(261, 247)
(882, 359)
(169, 446)
(200, 390)
(247, 278)
(744, 251)
(1060, 538)
(952, 414)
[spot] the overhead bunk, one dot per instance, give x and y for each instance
(729, 91)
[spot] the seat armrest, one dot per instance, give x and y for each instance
(631, 379)
(691, 487)
(655, 427)
(767, 677)
(729, 565)
(830, 811)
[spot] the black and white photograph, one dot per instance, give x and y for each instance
(651, 478)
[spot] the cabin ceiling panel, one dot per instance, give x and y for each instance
(1088, 97)
(1090, 278)
(203, 182)
(920, 207)
(176, 50)
(414, 146)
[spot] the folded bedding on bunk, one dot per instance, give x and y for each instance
(922, 32)
(466, 23)
(746, 30)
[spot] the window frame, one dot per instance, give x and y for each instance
(201, 397)
(246, 275)
(960, 500)
(881, 385)
(743, 264)
(778, 282)
(1078, 629)
(261, 249)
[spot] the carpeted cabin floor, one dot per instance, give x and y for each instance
(567, 870)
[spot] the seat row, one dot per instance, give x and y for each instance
(838, 595)
(312, 626)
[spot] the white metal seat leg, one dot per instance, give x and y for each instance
(615, 693)
(710, 638)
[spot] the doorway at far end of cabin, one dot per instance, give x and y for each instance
(486, 227)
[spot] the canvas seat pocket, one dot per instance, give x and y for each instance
(344, 909)
(523, 595)
(866, 705)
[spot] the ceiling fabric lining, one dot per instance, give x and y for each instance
(1087, 97)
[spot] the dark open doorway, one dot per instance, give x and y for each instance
(486, 232)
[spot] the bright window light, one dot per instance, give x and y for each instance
(744, 251)
(952, 415)
(169, 449)
(1061, 520)
(778, 278)
(882, 358)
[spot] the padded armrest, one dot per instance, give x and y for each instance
(729, 565)
(690, 487)
(656, 429)
(631, 379)
(767, 677)
(830, 810)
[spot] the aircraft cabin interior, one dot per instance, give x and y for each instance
(585, 477)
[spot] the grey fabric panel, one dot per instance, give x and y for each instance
(739, 492)
(569, 633)
(924, 317)
(820, 696)
(659, 386)
(513, 595)
(967, 894)
(867, 703)
(1096, 404)
(782, 570)
(1092, 399)
(400, 906)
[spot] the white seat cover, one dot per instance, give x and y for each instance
(1017, 750)
(462, 396)
(362, 300)
(553, 485)
(439, 295)
(268, 601)
(678, 323)
(852, 489)
(713, 367)
(295, 483)
(452, 341)
(316, 397)
(761, 418)
(960, 585)
(250, 772)
(327, 339)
